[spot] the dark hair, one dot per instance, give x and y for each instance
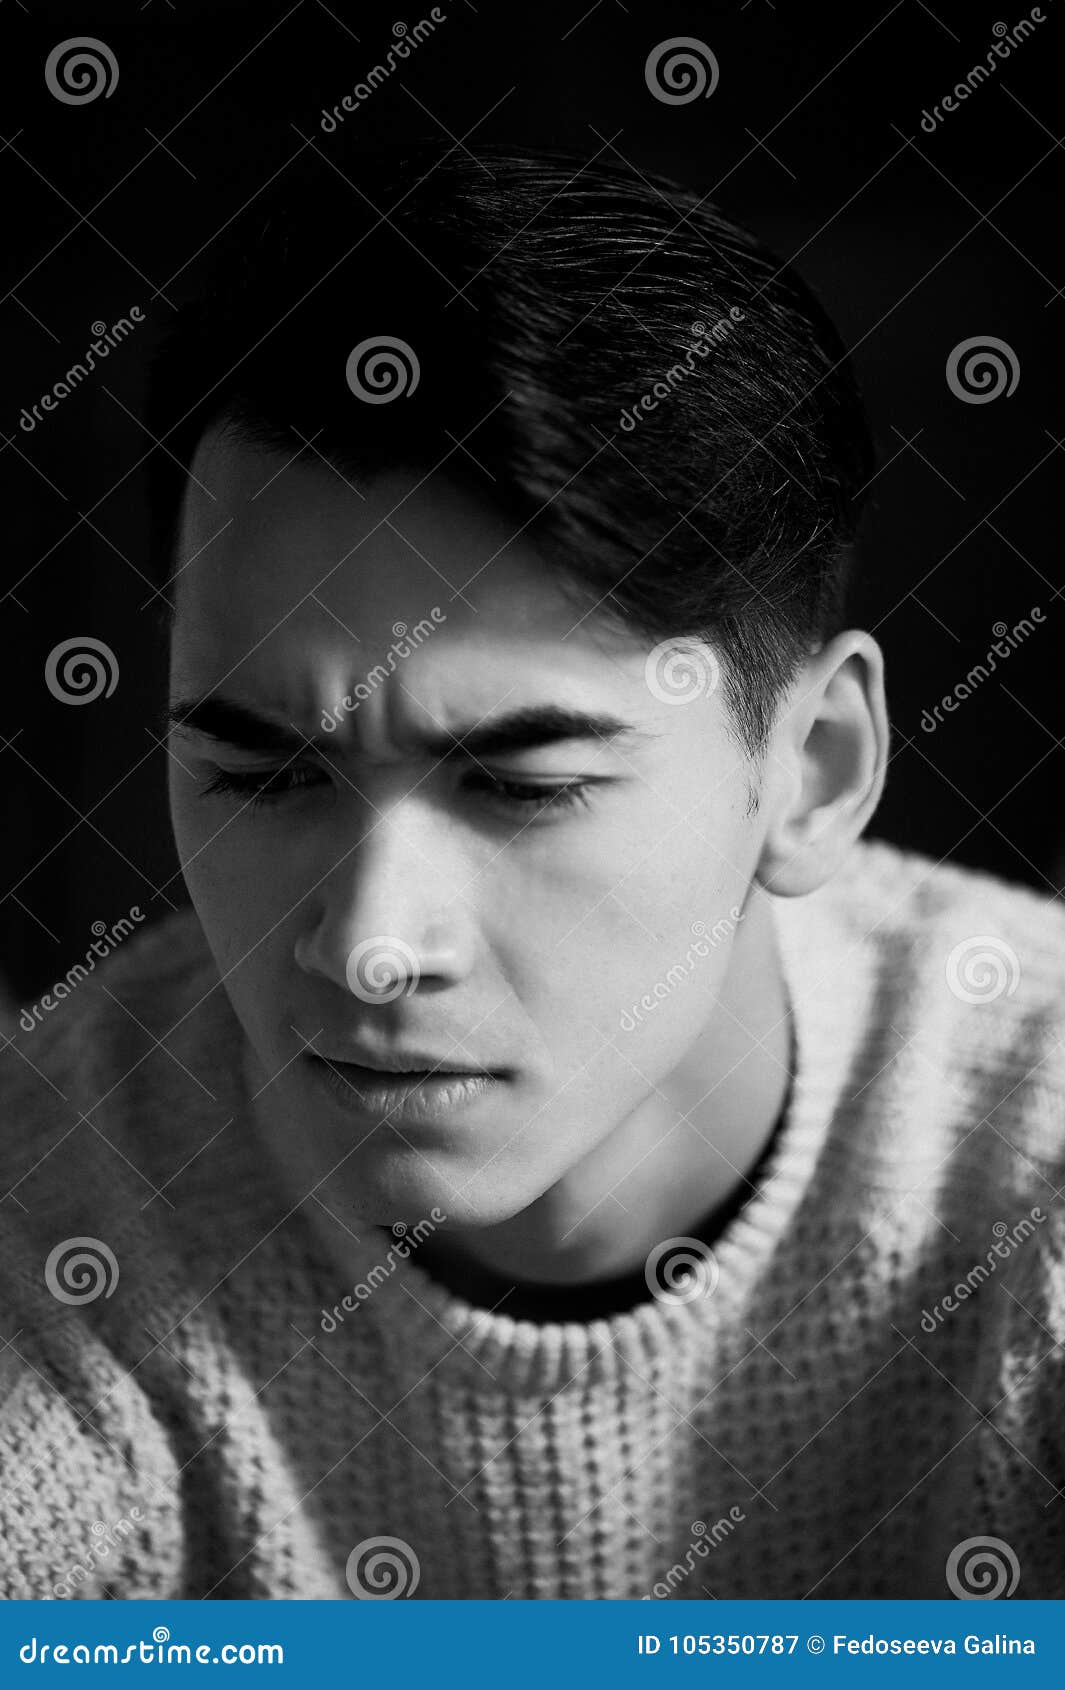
(545, 304)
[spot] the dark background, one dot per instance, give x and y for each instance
(915, 242)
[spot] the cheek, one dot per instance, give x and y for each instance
(668, 946)
(199, 831)
(238, 890)
(647, 913)
(227, 858)
(215, 868)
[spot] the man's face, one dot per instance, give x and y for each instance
(503, 912)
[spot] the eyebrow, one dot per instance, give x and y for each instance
(232, 723)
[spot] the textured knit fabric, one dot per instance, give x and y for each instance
(816, 1425)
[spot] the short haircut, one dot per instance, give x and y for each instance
(659, 404)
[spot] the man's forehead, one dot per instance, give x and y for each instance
(435, 610)
(264, 531)
(414, 596)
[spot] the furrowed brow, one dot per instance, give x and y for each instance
(232, 723)
(536, 725)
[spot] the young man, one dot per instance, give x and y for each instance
(554, 1156)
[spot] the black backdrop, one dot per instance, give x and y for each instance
(916, 241)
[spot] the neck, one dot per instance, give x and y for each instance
(684, 1152)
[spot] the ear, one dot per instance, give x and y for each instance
(825, 766)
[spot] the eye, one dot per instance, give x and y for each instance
(260, 786)
(527, 797)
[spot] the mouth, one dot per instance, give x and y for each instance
(401, 1095)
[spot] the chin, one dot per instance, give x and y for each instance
(401, 1184)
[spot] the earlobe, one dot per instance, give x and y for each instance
(830, 758)
(802, 858)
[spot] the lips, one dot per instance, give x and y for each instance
(401, 1095)
(396, 1062)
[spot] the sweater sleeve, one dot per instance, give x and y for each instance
(89, 1486)
(1023, 1436)
(1048, 1360)
(89, 1481)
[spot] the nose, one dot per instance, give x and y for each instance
(388, 919)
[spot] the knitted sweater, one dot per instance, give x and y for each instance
(869, 1385)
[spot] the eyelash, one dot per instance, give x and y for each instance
(258, 789)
